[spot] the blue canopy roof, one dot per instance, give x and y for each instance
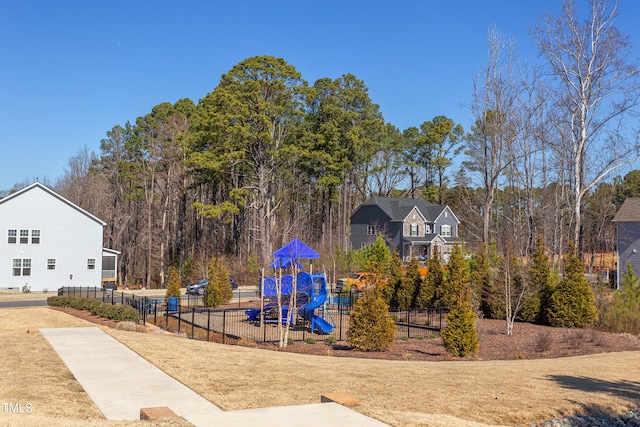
(284, 263)
(295, 250)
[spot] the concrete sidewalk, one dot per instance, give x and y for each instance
(121, 383)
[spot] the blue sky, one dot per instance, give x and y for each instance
(71, 70)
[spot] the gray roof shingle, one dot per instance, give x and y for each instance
(397, 208)
(629, 211)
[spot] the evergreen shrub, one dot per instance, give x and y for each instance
(371, 328)
(460, 337)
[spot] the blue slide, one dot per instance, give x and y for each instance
(307, 312)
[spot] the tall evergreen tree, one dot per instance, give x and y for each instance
(218, 290)
(572, 303)
(459, 336)
(539, 273)
(426, 292)
(371, 328)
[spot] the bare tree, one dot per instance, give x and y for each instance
(596, 90)
(494, 100)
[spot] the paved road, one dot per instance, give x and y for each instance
(24, 303)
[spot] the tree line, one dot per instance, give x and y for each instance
(266, 157)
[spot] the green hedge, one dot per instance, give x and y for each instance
(97, 308)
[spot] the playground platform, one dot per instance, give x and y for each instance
(121, 383)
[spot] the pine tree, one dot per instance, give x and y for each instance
(411, 282)
(457, 286)
(541, 286)
(572, 303)
(434, 279)
(218, 290)
(393, 287)
(485, 282)
(378, 261)
(173, 288)
(371, 328)
(459, 336)
(623, 312)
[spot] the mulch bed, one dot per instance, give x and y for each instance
(528, 341)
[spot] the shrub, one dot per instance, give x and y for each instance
(460, 337)
(543, 341)
(622, 314)
(310, 340)
(97, 308)
(331, 340)
(173, 289)
(26, 289)
(572, 303)
(218, 290)
(371, 328)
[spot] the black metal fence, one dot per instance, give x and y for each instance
(232, 324)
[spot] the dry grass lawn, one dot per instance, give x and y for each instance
(401, 393)
(32, 373)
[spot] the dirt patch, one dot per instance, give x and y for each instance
(528, 341)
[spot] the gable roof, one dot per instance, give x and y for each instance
(37, 186)
(397, 208)
(629, 211)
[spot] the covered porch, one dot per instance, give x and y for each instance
(422, 248)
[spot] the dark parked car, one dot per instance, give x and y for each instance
(198, 288)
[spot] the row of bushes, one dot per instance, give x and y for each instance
(97, 308)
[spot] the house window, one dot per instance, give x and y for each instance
(414, 230)
(373, 230)
(12, 235)
(445, 231)
(24, 236)
(35, 237)
(91, 264)
(51, 264)
(427, 229)
(17, 267)
(21, 267)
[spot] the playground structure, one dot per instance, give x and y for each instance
(310, 295)
(308, 292)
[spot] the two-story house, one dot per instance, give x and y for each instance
(627, 221)
(50, 242)
(414, 227)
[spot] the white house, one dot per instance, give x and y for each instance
(49, 242)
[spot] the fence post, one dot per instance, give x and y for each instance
(166, 316)
(224, 326)
(264, 327)
(193, 322)
(340, 313)
(208, 323)
(179, 318)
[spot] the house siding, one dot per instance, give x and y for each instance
(67, 234)
(446, 218)
(628, 236)
(364, 217)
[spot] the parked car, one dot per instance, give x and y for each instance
(360, 281)
(198, 288)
